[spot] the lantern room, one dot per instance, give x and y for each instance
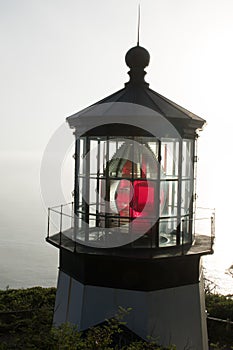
(135, 167)
(131, 237)
(134, 190)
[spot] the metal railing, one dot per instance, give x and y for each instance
(60, 219)
(61, 222)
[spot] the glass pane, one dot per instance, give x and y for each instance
(121, 196)
(148, 163)
(169, 158)
(186, 235)
(187, 159)
(80, 190)
(112, 148)
(93, 157)
(186, 196)
(167, 232)
(133, 159)
(81, 156)
(154, 146)
(102, 155)
(131, 189)
(92, 195)
(102, 196)
(168, 198)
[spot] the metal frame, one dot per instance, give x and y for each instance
(87, 205)
(84, 211)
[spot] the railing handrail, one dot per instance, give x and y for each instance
(184, 218)
(204, 208)
(60, 212)
(127, 217)
(59, 206)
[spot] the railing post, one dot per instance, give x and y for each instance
(60, 224)
(212, 229)
(48, 223)
(182, 231)
(72, 214)
(75, 244)
(74, 223)
(75, 230)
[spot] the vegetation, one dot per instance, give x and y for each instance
(220, 307)
(26, 319)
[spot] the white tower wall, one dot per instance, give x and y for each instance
(170, 316)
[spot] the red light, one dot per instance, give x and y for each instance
(133, 196)
(143, 194)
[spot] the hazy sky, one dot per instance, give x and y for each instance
(59, 56)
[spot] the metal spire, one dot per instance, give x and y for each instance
(138, 24)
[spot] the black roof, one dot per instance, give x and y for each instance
(137, 91)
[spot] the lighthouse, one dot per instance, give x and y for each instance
(134, 238)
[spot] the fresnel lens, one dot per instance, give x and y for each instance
(133, 173)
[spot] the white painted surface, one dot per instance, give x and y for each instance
(61, 303)
(171, 316)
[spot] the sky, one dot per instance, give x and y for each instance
(59, 56)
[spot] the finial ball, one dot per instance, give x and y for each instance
(137, 57)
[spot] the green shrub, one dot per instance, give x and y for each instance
(26, 323)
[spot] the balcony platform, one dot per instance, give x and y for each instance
(202, 245)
